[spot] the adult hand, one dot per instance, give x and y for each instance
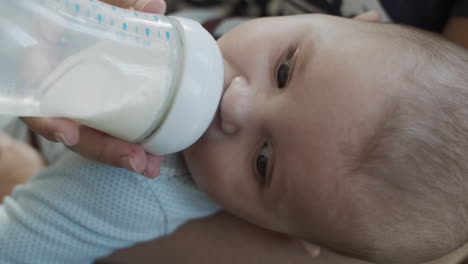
(94, 144)
(150, 6)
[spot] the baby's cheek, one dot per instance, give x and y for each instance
(210, 180)
(217, 166)
(218, 183)
(200, 167)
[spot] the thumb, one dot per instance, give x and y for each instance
(54, 129)
(150, 6)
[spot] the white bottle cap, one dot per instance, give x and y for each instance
(199, 92)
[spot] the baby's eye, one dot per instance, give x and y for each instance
(282, 75)
(261, 164)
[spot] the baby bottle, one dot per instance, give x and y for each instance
(144, 78)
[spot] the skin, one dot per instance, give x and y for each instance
(197, 237)
(13, 157)
(308, 125)
(101, 147)
(225, 225)
(456, 30)
(150, 6)
(48, 128)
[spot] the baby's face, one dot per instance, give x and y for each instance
(301, 93)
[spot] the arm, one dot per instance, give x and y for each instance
(223, 238)
(456, 29)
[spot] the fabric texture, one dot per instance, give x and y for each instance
(77, 210)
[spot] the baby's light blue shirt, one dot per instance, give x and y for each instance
(78, 210)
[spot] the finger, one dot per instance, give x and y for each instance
(370, 16)
(153, 166)
(99, 146)
(54, 129)
(151, 6)
(120, 3)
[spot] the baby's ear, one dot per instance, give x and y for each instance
(370, 16)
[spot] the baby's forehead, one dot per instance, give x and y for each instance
(347, 104)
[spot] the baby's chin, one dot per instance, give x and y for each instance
(194, 157)
(202, 162)
(196, 149)
(202, 157)
(199, 150)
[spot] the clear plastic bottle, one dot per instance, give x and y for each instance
(144, 78)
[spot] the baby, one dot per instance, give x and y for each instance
(364, 126)
(344, 133)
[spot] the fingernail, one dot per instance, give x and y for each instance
(149, 174)
(60, 137)
(152, 169)
(130, 164)
(140, 5)
(149, 6)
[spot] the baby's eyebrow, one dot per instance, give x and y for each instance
(301, 60)
(306, 50)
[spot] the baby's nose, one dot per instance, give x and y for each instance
(236, 105)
